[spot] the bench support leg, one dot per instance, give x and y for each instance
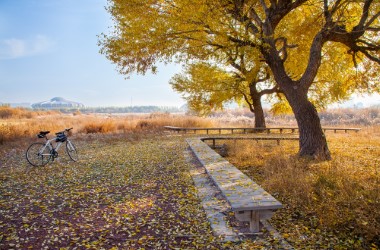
(254, 217)
(254, 224)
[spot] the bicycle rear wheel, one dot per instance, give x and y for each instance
(37, 154)
(71, 150)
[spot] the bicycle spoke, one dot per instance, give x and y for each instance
(71, 151)
(38, 154)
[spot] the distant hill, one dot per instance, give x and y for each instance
(57, 103)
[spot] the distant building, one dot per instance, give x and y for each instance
(57, 103)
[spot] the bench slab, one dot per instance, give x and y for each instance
(247, 199)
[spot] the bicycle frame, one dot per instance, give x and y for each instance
(52, 149)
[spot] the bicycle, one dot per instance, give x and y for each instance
(39, 154)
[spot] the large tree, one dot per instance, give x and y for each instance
(352, 23)
(295, 38)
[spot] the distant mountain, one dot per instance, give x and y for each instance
(57, 103)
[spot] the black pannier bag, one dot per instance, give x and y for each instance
(61, 137)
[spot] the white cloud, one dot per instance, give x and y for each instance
(16, 48)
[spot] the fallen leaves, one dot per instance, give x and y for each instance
(121, 194)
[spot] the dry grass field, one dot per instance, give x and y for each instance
(21, 123)
(333, 204)
(131, 188)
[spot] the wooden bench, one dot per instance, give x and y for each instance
(256, 138)
(231, 130)
(248, 200)
(342, 129)
(252, 130)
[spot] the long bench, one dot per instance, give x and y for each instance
(248, 200)
(251, 130)
(234, 130)
(255, 138)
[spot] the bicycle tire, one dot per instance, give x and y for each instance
(34, 155)
(71, 150)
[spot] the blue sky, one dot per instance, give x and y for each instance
(48, 48)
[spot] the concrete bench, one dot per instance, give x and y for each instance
(248, 200)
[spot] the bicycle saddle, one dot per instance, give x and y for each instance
(44, 132)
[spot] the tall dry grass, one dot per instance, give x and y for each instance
(7, 112)
(16, 128)
(327, 204)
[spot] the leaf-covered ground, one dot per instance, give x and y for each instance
(121, 194)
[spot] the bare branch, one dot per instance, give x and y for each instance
(255, 17)
(369, 56)
(364, 17)
(246, 98)
(234, 64)
(267, 76)
(371, 46)
(284, 49)
(264, 5)
(326, 11)
(241, 42)
(366, 26)
(335, 7)
(273, 3)
(373, 29)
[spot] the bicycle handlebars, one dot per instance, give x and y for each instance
(62, 132)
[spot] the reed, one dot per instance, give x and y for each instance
(334, 202)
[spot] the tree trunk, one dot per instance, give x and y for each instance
(255, 106)
(312, 139)
(259, 114)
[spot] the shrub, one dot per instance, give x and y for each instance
(101, 127)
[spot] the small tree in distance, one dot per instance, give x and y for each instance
(207, 87)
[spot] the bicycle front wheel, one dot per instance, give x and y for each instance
(71, 150)
(38, 154)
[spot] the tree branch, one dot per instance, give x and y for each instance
(275, 89)
(264, 5)
(255, 17)
(234, 64)
(373, 29)
(267, 76)
(273, 3)
(284, 49)
(315, 58)
(364, 17)
(246, 99)
(369, 56)
(366, 26)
